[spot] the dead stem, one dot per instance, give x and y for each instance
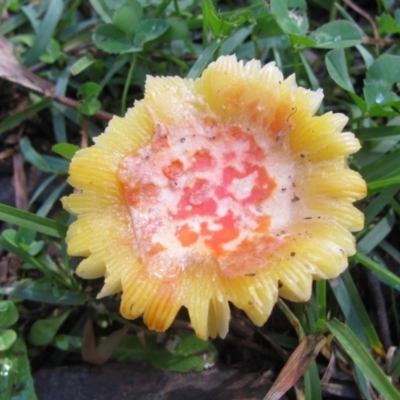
(364, 14)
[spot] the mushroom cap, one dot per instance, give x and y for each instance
(222, 189)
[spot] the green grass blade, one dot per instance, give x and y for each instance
(20, 116)
(53, 197)
(356, 315)
(320, 293)
(348, 309)
(291, 318)
(32, 221)
(378, 269)
(59, 126)
(233, 42)
(384, 165)
(45, 163)
(50, 271)
(12, 23)
(377, 233)
(45, 32)
(383, 183)
(379, 203)
(40, 189)
(390, 250)
(103, 9)
(309, 71)
(22, 254)
(83, 63)
(312, 384)
(363, 359)
(378, 133)
(366, 323)
(203, 60)
(117, 65)
(362, 383)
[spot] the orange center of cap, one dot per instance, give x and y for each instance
(205, 190)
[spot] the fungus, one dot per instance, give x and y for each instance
(223, 189)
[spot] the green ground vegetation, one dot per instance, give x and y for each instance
(68, 65)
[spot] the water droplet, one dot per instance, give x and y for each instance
(380, 98)
(337, 38)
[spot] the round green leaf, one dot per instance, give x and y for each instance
(90, 107)
(35, 247)
(111, 39)
(43, 331)
(11, 235)
(292, 18)
(114, 4)
(14, 6)
(26, 39)
(66, 150)
(381, 75)
(8, 313)
(67, 342)
(128, 16)
(149, 30)
(336, 64)
(16, 381)
(336, 35)
(388, 24)
(52, 52)
(7, 338)
(178, 29)
(89, 90)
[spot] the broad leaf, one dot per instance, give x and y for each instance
(337, 67)
(381, 76)
(337, 34)
(8, 313)
(182, 353)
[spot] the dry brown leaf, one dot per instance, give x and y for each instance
(19, 180)
(12, 70)
(296, 366)
(6, 153)
(100, 354)
(9, 266)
